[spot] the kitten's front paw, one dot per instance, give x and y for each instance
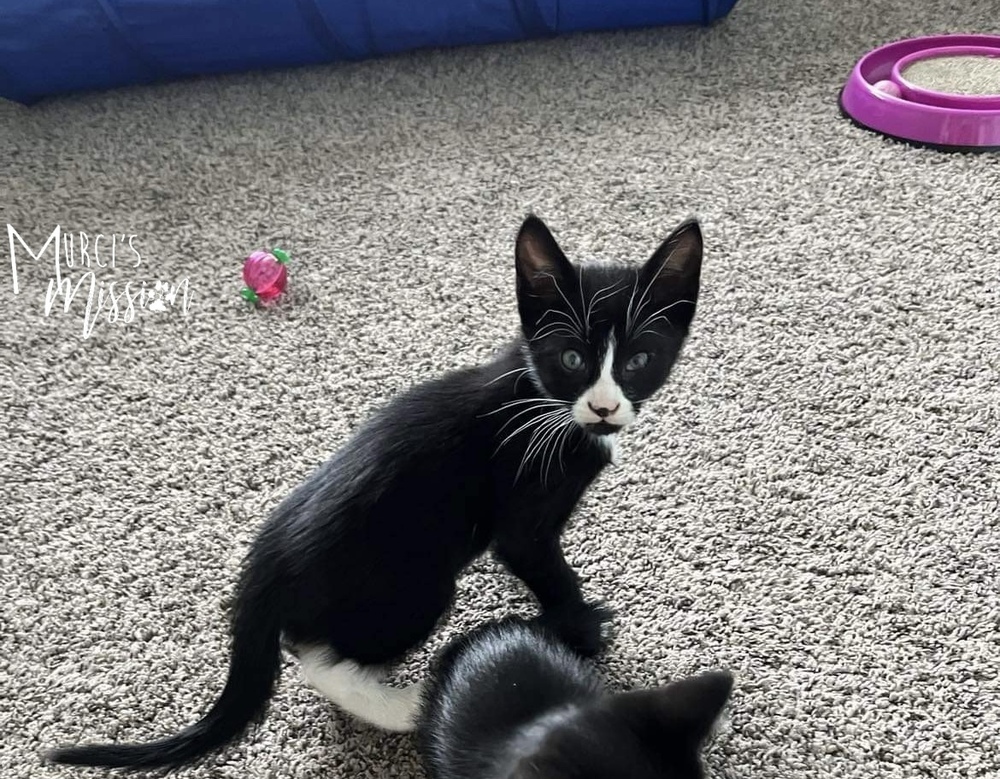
(585, 627)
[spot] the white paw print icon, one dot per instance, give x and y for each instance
(156, 295)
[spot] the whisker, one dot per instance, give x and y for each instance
(670, 306)
(567, 434)
(597, 297)
(628, 310)
(542, 454)
(520, 413)
(537, 401)
(522, 401)
(650, 285)
(564, 430)
(525, 426)
(539, 441)
(526, 455)
(558, 435)
(576, 316)
(553, 329)
(658, 315)
(503, 375)
(558, 311)
(554, 421)
(529, 451)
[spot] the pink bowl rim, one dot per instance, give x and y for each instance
(933, 97)
(942, 128)
(857, 77)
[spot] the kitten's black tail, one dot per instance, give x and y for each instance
(253, 671)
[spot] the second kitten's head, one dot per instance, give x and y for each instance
(645, 734)
(604, 337)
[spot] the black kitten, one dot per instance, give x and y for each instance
(358, 564)
(509, 701)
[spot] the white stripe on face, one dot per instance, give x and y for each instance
(604, 396)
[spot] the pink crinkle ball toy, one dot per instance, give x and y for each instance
(265, 275)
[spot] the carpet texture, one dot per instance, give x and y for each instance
(812, 502)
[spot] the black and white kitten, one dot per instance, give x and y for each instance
(510, 701)
(358, 564)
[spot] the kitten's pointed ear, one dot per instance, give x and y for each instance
(679, 256)
(541, 265)
(673, 273)
(687, 708)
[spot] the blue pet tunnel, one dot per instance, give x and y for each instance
(49, 47)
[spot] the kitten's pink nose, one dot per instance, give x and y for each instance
(604, 412)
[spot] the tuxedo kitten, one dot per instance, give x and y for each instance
(510, 701)
(358, 564)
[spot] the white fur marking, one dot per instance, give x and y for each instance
(358, 690)
(614, 450)
(605, 394)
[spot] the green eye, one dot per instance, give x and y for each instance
(572, 360)
(637, 361)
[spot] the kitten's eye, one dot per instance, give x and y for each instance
(637, 361)
(572, 360)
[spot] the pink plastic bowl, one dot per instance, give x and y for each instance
(878, 97)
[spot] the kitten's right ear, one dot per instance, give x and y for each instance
(679, 256)
(687, 708)
(541, 264)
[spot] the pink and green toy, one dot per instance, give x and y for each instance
(266, 276)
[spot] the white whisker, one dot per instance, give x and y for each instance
(642, 299)
(554, 328)
(576, 317)
(658, 315)
(540, 418)
(527, 454)
(560, 312)
(557, 437)
(503, 375)
(596, 298)
(540, 440)
(521, 402)
(567, 434)
(628, 310)
(554, 420)
(521, 413)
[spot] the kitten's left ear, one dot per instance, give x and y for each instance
(541, 264)
(673, 273)
(687, 708)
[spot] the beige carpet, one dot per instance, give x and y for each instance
(813, 502)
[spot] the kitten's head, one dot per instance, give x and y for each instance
(645, 734)
(604, 337)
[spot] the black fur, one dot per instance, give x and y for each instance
(363, 556)
(510, 701)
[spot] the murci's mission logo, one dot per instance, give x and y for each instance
(78, 261)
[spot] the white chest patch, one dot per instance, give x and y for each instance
(610, 443)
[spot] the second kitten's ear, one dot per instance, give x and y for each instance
(541, 265)
(679, 256)
(687, 708)
(673, 273)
